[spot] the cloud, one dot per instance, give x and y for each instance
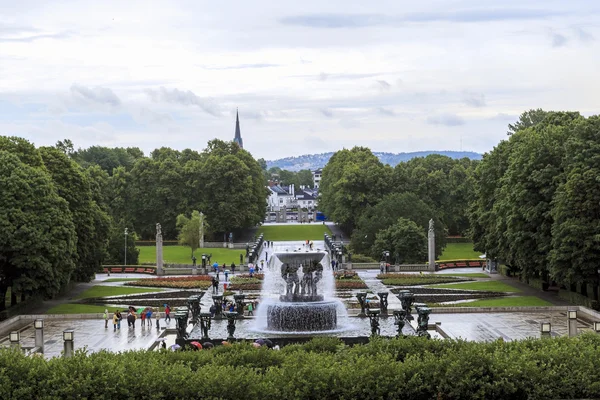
(324, 76)
(186, 98)
(242, 66)
(384, 86)
(584, 36)
(367, 20)
(349, 123)
(385, 111)
(315, 142)
(326, 112)
(446, 120)
(474, 99)
(27, 34)
(153, 117)
(558, 40)
(97, 94)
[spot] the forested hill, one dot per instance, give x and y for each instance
(315, 161)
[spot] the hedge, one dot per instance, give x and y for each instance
(414, 279)
(458, 239)
(411, 368)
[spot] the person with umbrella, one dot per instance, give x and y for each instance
(226, 272)
(215, 284)
(251, 270)
(233, 268)
(216, 267)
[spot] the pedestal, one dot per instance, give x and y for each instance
(69, 348)
(39, 339)
(431, 251)
(572, 327)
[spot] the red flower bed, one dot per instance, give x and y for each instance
(176, 282)
(350, 284)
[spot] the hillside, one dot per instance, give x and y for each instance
(315, 161)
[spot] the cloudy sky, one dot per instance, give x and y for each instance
(307, 77)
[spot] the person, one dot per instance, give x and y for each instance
(233, 268)
(167, 313)
(157, 317)
(212, 310)
(231, 307)
(194, 261)
(143, 316)
(120, 317)
(149, 317)
(106, 318)
(215, 284)
(115, 321)
(333, 264)
(251, 270)
(226, 273)
(250, 309)
(387, 267)
(131, 319)
(164, 343)
(266, 257)
(381, 267)
(262, 265)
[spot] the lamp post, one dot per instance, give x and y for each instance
(572, 314)
(126, 246)
(546, 329)
(39, 334)
(386, 255)
(68, 339)
(15, 338)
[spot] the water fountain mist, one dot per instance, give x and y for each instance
(298, 293)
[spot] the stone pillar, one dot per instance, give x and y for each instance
(431, 247)
(572, 316)
(159, 251)
(39, 334)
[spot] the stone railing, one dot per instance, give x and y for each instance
(393, 268)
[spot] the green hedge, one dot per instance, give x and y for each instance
(413, 368)
(576, 298)
(360, 258)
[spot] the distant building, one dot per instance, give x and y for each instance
(285, 204)
(317, 177)
(238, 136)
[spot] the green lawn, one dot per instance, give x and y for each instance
(459, 251)
(183, 255)
(520, 301)
(81, 309)
(488, 286)
(294, 232)
(101, 291)
(473, 275)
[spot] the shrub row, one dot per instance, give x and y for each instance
(414, 279)
(350, 284)
(244, 286)
(411, 368)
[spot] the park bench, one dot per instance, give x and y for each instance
(140, 270)
(461, 264)
(113, 270)
(474, 263)
(129, 269)
(150, 270)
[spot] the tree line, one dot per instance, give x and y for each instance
(537, 198)
(389, 208)
(64, 212)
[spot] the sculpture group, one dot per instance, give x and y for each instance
(306, 288)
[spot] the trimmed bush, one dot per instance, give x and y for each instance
(408, 368)
(414, 279)
(182, 282)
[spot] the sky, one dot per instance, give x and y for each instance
(307, 77)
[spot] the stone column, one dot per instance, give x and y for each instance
(431, 246)
(159, 251)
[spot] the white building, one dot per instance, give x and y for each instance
(280, 197)
(317, 178)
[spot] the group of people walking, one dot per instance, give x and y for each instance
(146, 315)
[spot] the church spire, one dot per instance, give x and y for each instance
(238, 136)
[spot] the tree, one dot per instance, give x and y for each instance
(190, 230)
(352, 181)
(405, 240)
(108, 158)
(37, 235)
(262, 163)
(575, 254)
(305, 178)
(65, 146)
(115, 251)
(92, 224)
(386, 213)
(533, 118)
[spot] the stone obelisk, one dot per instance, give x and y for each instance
(159, 251)
(431, 246)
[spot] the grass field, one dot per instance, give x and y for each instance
(459, 251)
(294, 232)
(487, 286)
(183, 255)
(520, 301)
(81, 309)
(101, 291)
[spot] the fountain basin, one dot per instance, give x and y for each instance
(302, 316)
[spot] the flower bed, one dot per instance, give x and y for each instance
(257, 276)
(238, 280)
(180, 282)
(350, 284)
(346, 275)
(244, 286)
(416, 279)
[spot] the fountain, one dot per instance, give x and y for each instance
(306, 302)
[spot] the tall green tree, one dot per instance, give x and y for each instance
(118, 243)
(405, 240)
(387, 212)
(190, 230)
(92, 224)
(352, 180)
(37, 234)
